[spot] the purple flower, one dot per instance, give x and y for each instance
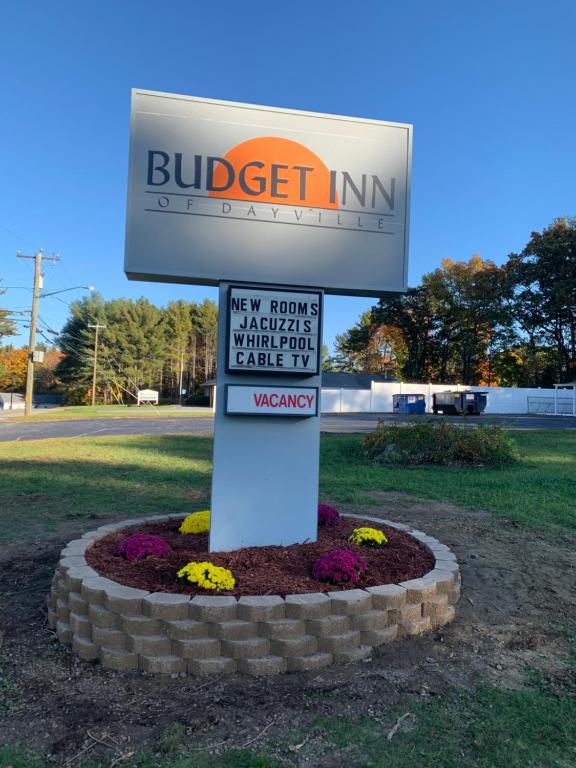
(141, 545)
(327, 516)
(338, 567)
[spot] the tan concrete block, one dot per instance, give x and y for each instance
(415, 627)
(64, 632)
(294, 646)
(329, 625)
(65, 563)
(436, 606)
(369, 621)
(313, 605)
(387, 596)
(141, 625)
(444, 580)
(443, 564)
(162, 665)
(189, 629)
(246, 649)
(308, 663)
(85, 648)
(52, 618)
(155, 645)
(102, 617)
(403, 615)
(121, 661)
(110, 639)
(62, 609)
(353, 655)
(418, 590)
(262, 608)
(266, 665)
(234, 630)
(75, 576)
(201, 648)
(218, 665)
(125, 600)
(282, 629)
(337, 643)
(376, 637)
(75, 548)
(77, 604)
(94, 590)
(167, 607)
(454, 595)
(80, 625)
(216, 608)
(443, 618)
(349, 602)
(61, 589)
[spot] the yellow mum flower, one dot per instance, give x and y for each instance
(197, 522)
(208, 576)
(368, 537)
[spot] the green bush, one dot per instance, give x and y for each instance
(438, 442)
(198, 400)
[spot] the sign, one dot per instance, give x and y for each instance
(221, 191)
(273, 331)
(271, 401)
(147, 396)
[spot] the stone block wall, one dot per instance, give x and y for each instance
(130, 629)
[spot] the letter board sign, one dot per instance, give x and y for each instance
(227, 192)
(273, 331)
(247, 400)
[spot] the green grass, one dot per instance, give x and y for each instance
(45, 484)
(77, 412)
(539, 490)
(487, 728)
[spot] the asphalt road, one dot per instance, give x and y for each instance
(18, 431)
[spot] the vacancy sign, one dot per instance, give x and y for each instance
(273, 331)
(246, 400)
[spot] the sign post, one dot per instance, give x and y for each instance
(277, 207)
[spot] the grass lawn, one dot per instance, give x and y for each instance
(109, 412)
(45, 484)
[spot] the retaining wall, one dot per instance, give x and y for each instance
(130, 629)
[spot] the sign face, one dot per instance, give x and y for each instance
(247, 400)
(221, 191)
(273, 331)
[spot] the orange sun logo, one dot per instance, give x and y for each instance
(274, 170)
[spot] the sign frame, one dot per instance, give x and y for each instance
(227, 412)
(159, 124)
(273, 289)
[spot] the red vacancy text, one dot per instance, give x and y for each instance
(283, 401)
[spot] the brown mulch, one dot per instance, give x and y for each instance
(270, 570)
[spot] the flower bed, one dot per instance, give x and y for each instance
(129, 629)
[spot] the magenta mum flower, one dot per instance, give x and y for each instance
(338, 567)
(141, 545)
(327, 516)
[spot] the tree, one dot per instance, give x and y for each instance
(7, 327)
(543, 280)
(370, 347)
(13, 364)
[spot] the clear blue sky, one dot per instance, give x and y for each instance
(489, 87)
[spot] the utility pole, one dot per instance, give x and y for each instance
(97, 327)
(181, 377)
(33, 320)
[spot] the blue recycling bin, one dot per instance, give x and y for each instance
(409, 404)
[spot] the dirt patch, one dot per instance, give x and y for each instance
(261, 570)
(517, 586)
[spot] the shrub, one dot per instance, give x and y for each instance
(198, 400)
(338, 567)
(328, 517)
(141, 545)
(207, 576)
(438, 442)
(368, 537)
(197, 522)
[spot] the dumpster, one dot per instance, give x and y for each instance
(459, 403)
(414, 404)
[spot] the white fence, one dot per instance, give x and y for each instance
(509, 400)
